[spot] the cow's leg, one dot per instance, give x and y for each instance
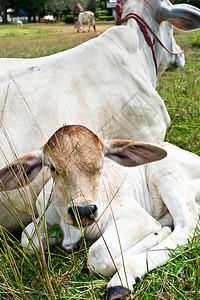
(78, 26)
(180, 201)
(118, 237)
(89, 24)
(136, 266)
(93, 22)
(106, 258)
(30, 239)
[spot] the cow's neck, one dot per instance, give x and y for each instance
(143, 11)
(123, 187)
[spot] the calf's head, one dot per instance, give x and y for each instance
(75, 157)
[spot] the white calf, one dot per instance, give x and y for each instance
(127, 212)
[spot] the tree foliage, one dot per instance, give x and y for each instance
(92, 5)
(32, 7)
(4, 5)
(57, 7)
(191, 2)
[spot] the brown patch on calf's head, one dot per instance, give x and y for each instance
(77, 145)
(75, 153)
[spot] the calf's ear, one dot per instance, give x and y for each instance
(21, 172)
(183, 16)
(132, 154)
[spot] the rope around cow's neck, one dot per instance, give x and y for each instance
(143, 27)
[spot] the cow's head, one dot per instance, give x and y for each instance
(156, 12)
(75, 156)
(182, 16)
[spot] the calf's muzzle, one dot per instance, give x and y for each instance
(84, 214)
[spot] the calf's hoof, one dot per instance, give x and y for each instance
(117, 292)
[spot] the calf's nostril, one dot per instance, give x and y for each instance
(83, 212)
(93, 209)
(71, 214)
(87, 212)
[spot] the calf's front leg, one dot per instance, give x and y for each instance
(118, 237)
(180, 202)
(113, 250)
(136, 266)
(30, 239)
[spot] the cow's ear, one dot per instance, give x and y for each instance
(182, 16)
(21, 172)
(131, 154)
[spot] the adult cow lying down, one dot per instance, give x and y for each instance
(124, 211)
(107, 84)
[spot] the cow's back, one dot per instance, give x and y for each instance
(97, 84)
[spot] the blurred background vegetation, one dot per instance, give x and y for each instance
(61, 8)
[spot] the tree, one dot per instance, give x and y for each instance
(57, 7)
(92, 5)
(31, 7)
(4, 5)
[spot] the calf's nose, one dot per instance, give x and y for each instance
(86, 213)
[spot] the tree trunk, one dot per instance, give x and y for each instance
(4, 16)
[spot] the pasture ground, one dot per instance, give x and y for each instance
(57, 274)
(34, 40)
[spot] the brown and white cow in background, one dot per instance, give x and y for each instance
(86, 18)
(106, 84)
(128, 213)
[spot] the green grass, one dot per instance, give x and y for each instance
(195, 41)
(58, 274)
(180, 90)
(36, 40)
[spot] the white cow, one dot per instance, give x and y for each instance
(19, 23)
(128, 213)
(85, 18)
(107, 84)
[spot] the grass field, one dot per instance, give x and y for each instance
(58, 274)
(41, 39)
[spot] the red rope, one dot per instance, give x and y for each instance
(118, 11)
(143, 27)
